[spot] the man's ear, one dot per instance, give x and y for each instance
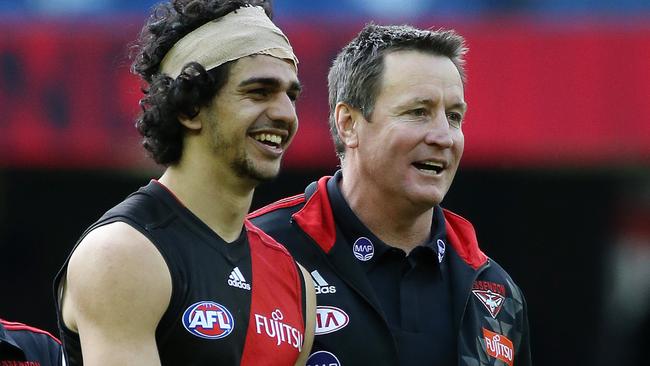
(347, 118)
(193, 124)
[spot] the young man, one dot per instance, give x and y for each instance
(175, 275)
(400, 281)
(22, 345)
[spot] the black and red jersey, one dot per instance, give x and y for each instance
(232, 303)
(23, 345)
(487, 309)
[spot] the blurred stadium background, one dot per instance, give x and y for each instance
(556, 172)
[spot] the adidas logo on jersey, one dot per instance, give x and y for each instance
(236, 279)
(321, 286)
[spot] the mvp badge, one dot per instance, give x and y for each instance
(363, 249)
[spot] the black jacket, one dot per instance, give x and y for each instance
(489, 310)
(21, 344)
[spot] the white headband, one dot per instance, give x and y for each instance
(243, 32)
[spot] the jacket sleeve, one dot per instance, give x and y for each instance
(51, 351)
(524, 355)
(58, 354)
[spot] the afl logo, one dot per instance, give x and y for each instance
(209, 320)
(363, 249)
(323, 358)
(330, 319)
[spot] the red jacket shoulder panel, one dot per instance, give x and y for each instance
(462, 237)
(316, 218)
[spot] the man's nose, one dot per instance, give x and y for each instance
(282, 109)
(439, 132)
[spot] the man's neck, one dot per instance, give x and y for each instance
(398, 224)
(216, 196)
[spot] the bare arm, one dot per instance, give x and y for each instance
(310, 317)
(117, 288)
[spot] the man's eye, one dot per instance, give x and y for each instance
(455, 119)
(263, 93)
(419, 112)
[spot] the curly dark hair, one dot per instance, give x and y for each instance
(355, 75)
(166, 99)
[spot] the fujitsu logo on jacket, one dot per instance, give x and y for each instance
(499, 346)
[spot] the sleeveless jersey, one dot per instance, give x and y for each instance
(239, 303)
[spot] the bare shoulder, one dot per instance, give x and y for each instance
(116, 277)
(310, 317)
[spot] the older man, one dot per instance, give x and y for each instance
(399, 280)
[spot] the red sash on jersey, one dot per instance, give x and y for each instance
(276, 325)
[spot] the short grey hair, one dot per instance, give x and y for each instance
(355, 75)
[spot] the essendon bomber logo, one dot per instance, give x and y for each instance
(491, 296)
(209, 320)
(499, 347)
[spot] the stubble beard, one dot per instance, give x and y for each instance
(244, 168)
(241, 165)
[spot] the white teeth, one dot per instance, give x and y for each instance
(276, 139)
(429, 167)
(433, 164)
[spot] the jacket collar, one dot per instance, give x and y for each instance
(315, 218)
(466, 260)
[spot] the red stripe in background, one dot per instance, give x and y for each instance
(539, 94)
